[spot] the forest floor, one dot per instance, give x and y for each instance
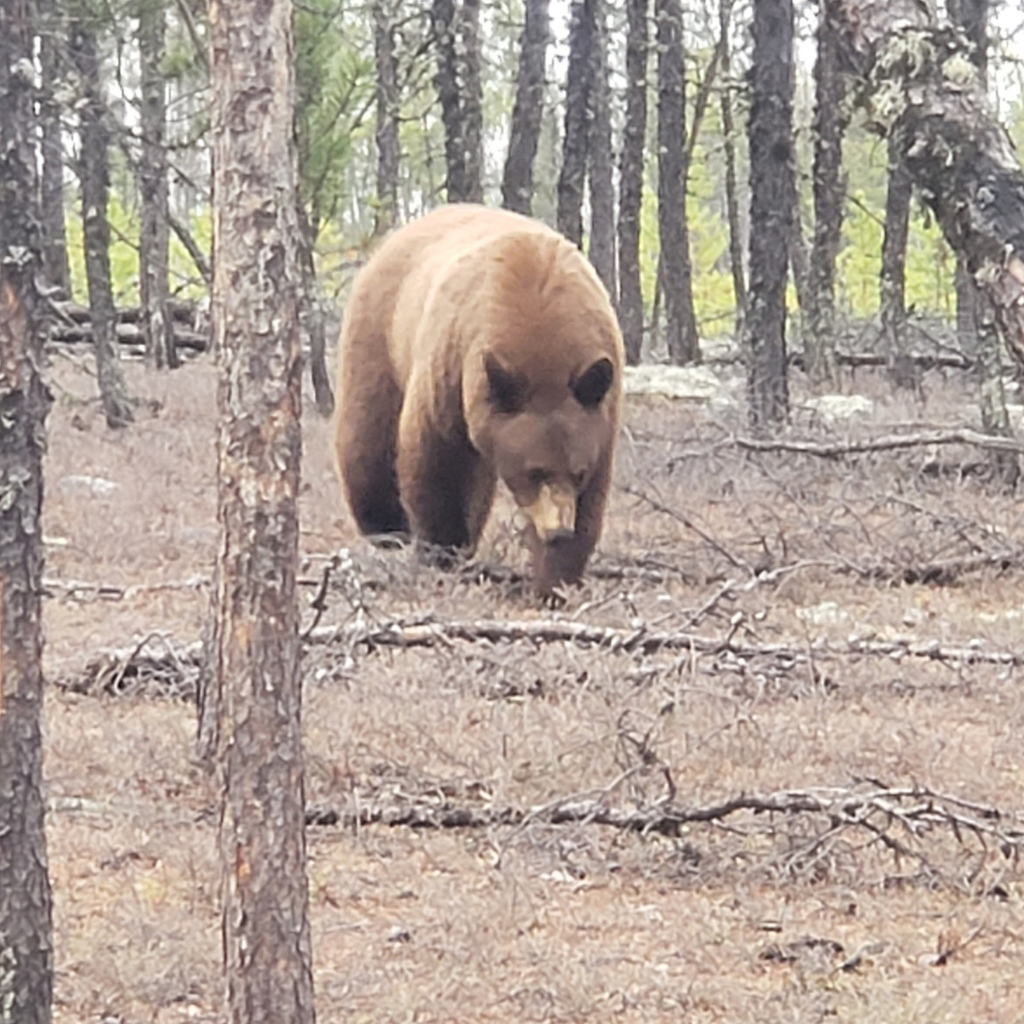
(835, 641)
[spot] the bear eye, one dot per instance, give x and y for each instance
(506, 389)
(593, 384)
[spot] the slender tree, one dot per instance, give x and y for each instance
(26, 950)
(972, 18)
(732, 202)
(94, 181)
(572, 177)
(524, 131)
(254, 692)
(601, 163)
(52, 32)
(472, 100)
(829, 190)
(770, 134)
(385, 214)
(902, 370)
(154, 232)
(631, 180)
(674, 268)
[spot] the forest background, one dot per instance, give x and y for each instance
(337, 51)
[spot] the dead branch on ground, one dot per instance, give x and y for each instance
(840, 449)
(898, 818)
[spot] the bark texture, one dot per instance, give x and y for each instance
(572, 177)
(254, 692)
(631, 180)
(94, 178)
(472, 96)
(26, 950)
(601, 249)
(385, 214)
(527, 110)
(921, 84)
(52, 32)
(829, 189)
(674, 269)
(458, 80)
(770, 133)
(154, 233)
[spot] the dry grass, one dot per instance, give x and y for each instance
(571, 922)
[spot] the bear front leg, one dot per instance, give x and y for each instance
(563, 560)
(446, 491)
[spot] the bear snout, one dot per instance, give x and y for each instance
(553, 513)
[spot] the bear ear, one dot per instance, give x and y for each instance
(506, 389)
(593, 384)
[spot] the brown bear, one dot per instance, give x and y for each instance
(480, 345)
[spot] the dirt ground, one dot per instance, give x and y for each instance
(824, 672)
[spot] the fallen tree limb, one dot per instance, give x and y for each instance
(840, 449)
(899, 818)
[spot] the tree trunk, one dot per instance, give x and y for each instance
(93, 174)
(385, 214)
(312, 316)
(732, 202)
(959, 158)
(52, 32)
(903, 371)
(524, 133)
(770, 133)
(830, 120)
(154, 233)
(472, 98)
(601, 249)
(631, 181)
(977, 332)
(446, 79)
(572, 177)
(674, 269)
(256, 685)
(26, 942)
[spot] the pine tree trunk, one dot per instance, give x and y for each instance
(93, 175)
(674, 269)
(256, 684)
(572, 177)
(732, 202)
(601, 249)
(385, 214)
(903, 371)
(770, 133)
(446, 79)
(959, 158)
(52, 32)
(472, 100)
(524, 133)
(830, 118)
(312, 317)
(631, 181)
(26, 940)
(154, 233)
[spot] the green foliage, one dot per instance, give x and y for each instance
(334, 76)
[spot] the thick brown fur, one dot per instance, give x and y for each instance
(480, 345)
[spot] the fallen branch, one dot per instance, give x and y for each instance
(899, 818)
(840, 449)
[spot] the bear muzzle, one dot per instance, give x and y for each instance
(553, 513)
